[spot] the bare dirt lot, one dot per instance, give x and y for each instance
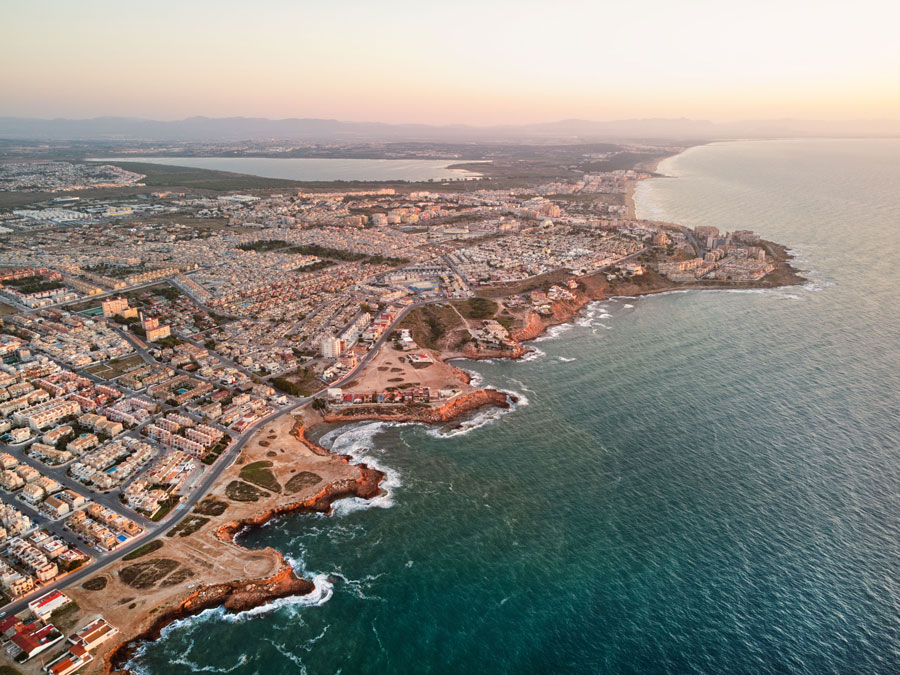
(129, 593)
(391, 368)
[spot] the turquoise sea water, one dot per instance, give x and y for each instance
(703, 482)
(315, 168)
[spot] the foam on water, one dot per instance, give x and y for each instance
(475, 378)
(322, 591)
(554, 332)
(291, 656)
(533, 354)
(749, 502)
(482, 417)
(360, 586)
(357, 441)
(183, 660)
(519, 384)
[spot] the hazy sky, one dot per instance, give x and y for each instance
(465, 61)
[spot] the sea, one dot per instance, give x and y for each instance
(315, 168)
(694, 482)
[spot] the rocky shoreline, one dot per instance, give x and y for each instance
(565, 311)
(240, 596)
(237, 596)
(459, 406)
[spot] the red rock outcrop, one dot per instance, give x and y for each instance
(235, 596)
(239, 596)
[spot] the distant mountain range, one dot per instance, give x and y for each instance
(201, 129)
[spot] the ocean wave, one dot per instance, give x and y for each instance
(554, 332)
(533, 354)
(566, 360)
(627, 306)
(519, 384)
(815, 285)
(476, 421)
(674, 292)
(481, 417)
(306, 646)
(476, 379)
(516, 398)
(290, 656)
(197, 668)
(359, 586)
(322, 591)
(356, 441)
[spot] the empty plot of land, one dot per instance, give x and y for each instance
(302, 480)
(240, 491)
(113, 369)
(145, 574)
(259, 473)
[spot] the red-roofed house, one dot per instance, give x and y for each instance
(45, 605)
(72, 660)
(32, 640)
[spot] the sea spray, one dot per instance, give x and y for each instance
(358, 442)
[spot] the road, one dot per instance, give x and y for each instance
(199, 490)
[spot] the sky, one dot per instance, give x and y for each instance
(467, 61)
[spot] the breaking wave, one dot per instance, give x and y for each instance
(357, 441)
(480, 418)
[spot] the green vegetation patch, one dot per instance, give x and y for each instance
(430, 323)
(477, 309)
(144, 575)
(65, 610)
(299, 382)
(259, 474)
(165, 507)
(240, 491)
(263, 245)
(393, 262)
(327, 252)
(303, 480)
(177, 577)
(95, 584)
(316, 266)
(211, 507)
(32, 285)
(188, 526)
(116, 367)
(115, 271)
(162, 175)
(141, 551)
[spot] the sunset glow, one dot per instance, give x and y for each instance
(465, 62)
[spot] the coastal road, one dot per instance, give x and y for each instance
(183, 508)
(202, 487)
